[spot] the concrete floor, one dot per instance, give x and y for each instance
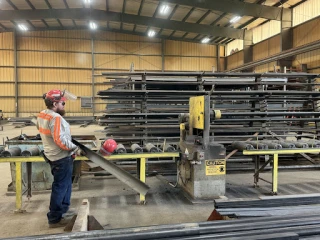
(115, 205)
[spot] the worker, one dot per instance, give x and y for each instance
(59, 152)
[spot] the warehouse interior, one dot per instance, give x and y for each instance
(213, 105)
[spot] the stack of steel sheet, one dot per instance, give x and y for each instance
(307, 204)
(145, 106)
(263, 228)
(269, 202)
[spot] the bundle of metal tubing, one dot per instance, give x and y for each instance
(11, 152)
(269, 202)
(270, 207)
(276, 227)
(70, 119)
(32, 151)
(145, 106)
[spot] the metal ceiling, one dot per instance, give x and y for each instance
(186, 20)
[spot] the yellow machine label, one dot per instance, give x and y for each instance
(196, 110)
(215, 167)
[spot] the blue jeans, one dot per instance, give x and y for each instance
(61, 188)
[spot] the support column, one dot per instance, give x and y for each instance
(162, 54)
(286, 41)
(144, 109)
(248, 48)
(218, 58)
(16, 87)
(275, 174)
(92, 73)
(226, 63)
(142, 171)
(19, 188)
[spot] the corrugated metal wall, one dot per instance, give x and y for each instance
(261, 50)
(47, 61)
(222, 58)
(235, 60)
(266, 48)
(235, 44)
(260, 33)
(306, 11)
(7, 83)
(312, 59)
(266, 67)
(266, 30)
(185, 56)
(304, 34)
(63, 60)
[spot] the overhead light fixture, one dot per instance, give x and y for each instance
(164, 9)
(22, 27)
(151, 33)
(87, 1)
(235, 19)
(205, 40)
(93, 25)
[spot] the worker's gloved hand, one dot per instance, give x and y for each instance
(79, 152)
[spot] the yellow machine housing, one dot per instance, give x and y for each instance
(202, 168)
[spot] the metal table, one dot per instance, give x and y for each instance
(275, 154)
(141, 165)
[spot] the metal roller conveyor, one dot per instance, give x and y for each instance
(242, 146)
(314, 144)
(135, 148)
(301, 145)
(272, 145)
(152, 148)
(121, 149)
(285, 144)
(168, 148)
(258, 145)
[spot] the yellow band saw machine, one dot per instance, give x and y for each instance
(202, 166)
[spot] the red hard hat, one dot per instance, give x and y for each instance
(109, 146)
(55, 95)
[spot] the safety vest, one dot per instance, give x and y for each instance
(55, 135)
